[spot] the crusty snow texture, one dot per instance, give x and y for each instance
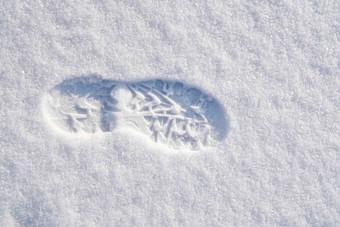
(273, 65)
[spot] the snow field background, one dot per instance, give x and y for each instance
(273, 65)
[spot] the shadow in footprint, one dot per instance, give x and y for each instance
(170, 112)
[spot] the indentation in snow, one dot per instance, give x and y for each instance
(168, 112)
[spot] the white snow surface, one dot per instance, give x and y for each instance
(273, 65)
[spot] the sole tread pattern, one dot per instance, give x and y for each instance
(168, 112)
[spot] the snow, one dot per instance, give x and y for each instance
(273, 66)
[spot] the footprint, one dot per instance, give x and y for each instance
(168, 112)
